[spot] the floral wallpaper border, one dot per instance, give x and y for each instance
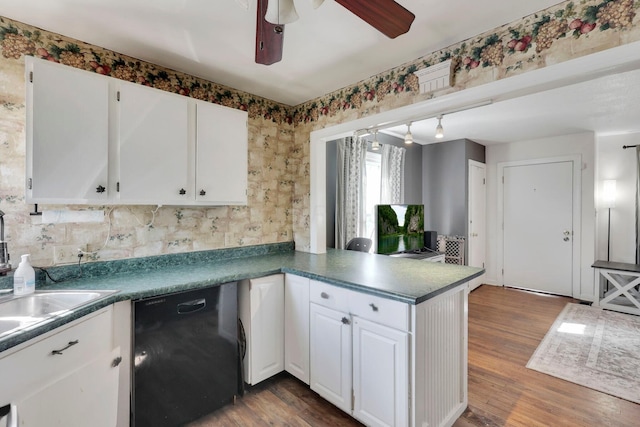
(513, 48)
(18, 39)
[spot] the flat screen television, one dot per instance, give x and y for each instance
(399, 228)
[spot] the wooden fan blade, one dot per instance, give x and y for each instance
(269, 38)
(386, 16)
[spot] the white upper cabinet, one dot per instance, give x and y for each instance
(93, 139)
(67, 134)
(153, 145)
(221, 154)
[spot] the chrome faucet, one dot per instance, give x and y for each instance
(4, 252)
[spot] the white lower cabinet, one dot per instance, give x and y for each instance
(330, 354)
(296, 326)
(360, 365)
(261, 309)
(380, 374)
(68, 377)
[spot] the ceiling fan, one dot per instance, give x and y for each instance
(386, 16)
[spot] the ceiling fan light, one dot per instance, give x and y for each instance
(316, 3)
(280, 12)
(408, 137)
(439, 129)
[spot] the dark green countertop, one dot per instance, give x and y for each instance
(407, 280)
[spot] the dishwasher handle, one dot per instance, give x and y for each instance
(192, 306)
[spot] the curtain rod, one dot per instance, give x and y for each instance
(624, 147)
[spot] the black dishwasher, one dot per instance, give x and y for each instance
(185, 362)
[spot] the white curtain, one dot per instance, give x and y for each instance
(350, 209)
(392, 174)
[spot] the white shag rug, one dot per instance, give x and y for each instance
(596, 348)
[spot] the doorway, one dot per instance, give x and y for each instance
(540, 224)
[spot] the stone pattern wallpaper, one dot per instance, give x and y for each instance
(279, 176)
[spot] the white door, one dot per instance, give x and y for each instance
(380, 374)
(86, 396)
(296, 326)
(330, 355)
(538, 226)
(67, 130)
(262, 314)
(477, 219)
(221, 154)
(153, 144)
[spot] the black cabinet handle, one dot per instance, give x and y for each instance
(202, 192)
(324, 295)
(346, 321)
(182, 192)
(59, 352)
(116, 362)
(373, 307)
(100, 189)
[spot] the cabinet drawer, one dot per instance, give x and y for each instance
(329, 296)
(35, 364)
(380, 310)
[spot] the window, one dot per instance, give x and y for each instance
(372, 185)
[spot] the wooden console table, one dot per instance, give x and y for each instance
(625, 278)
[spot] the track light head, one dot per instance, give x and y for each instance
(439, 128)
(408, 138)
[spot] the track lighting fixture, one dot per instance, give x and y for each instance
(439, 129)
(375, 145)
(280, 12)
(408, 138)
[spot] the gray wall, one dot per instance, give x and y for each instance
(436, 175)
(412, 178)
(445, 181)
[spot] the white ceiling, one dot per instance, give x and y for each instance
(329, 48)
(604, 105)
(326, 49)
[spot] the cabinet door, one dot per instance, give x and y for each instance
(153, 146)
(296, 326)
(221, 155)
(86, 396)
(67, 134)
(330, 355)
(262, 315)
(380, 374)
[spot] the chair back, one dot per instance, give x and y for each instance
(361, 244)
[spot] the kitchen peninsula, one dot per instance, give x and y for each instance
(421, 305)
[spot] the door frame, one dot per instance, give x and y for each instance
(474, 283)
(576, 159)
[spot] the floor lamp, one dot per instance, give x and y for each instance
(609, 201)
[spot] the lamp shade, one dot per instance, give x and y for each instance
(280, 12)
(609, 193)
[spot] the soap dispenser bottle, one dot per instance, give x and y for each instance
(24, 278)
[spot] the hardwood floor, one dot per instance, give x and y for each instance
(505, 327)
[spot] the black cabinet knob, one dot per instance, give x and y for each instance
(100, 189)
(182, 192)
(202, 192)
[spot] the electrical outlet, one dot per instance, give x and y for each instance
(65, 254)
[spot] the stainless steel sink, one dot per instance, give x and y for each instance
(22, 312)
